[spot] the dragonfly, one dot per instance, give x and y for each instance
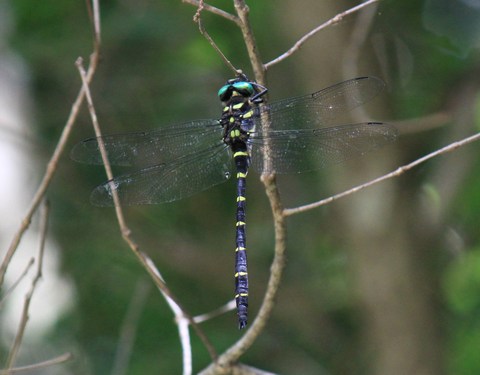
(288, 136)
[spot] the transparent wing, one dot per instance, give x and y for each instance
(169, 182)
(150, 148)
(320, 108)
(181, 160)
(293, 151)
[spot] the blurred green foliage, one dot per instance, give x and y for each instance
(462, 288)
(156, 69)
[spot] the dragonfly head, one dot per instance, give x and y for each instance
(239, 86)
(243, 89)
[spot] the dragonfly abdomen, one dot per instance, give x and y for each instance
(241, 272)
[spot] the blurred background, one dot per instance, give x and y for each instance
(386, 281)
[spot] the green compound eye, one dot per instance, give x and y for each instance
(244, 88)
(222, 91)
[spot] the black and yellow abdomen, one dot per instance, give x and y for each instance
(241, 272)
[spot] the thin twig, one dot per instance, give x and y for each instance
(183, 332)
(197, 18)
(12, 356)
(58, 152)
(96, 22)
(144, 259)
(339, 17)
(229, 306)
(94, 14)
(48, 363)
(29, 265)
(397, 172)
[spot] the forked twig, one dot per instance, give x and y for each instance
(332, 21)
(29, 265)
(213, 10)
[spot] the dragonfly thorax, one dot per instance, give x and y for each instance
(239, 97)
(237, 119)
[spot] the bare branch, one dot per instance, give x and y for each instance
(229, 306)
(397, 172)
(94, 13)
(183, 322)
(339, 17)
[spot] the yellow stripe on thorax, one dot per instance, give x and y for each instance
(247, 114)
